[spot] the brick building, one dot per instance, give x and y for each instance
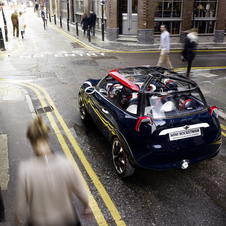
(141, 19)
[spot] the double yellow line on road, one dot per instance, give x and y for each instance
(224, 128)
(103, 193)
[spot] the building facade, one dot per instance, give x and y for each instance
(142, 18)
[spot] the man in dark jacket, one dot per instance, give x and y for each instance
(92, 21)
(15, 22)
(190, 43)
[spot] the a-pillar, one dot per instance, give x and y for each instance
(220, 23)
(145, 25)
(187, 17)
(112, 24)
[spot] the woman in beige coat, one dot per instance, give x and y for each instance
(22, 24)
(46, 183)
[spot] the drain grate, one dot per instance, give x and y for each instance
(44, 110)
(76, 45)
(86, 63)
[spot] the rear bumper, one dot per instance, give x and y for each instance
(161, 161)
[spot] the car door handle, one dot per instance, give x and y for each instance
(105, 111)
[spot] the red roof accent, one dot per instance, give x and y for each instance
(123, 80)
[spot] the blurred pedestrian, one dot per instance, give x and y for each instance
(36, 7)
(190, 44)
(46, 183)
(164, 47)
(44, 18)
(85, 22)
(22, 24)
(92, 21)
(15, 22)
(24, 8)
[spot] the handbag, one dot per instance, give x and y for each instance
(24, 25)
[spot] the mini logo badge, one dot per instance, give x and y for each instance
(186, 127)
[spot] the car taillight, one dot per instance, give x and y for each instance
(213, 111)
(141, 120)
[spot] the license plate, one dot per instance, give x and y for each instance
(185, 134)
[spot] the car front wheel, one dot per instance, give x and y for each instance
(120, 160)
(82, 108)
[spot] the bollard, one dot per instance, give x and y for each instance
(2, 208)
(88, 33)
(2, 44)
(77, 28)
(68, 25)
(55, 18)
(103, 31)
(49, 17)
(60, 21)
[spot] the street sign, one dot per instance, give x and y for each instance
(102, 2)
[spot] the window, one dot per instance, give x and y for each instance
(205, 15)
(79, 6)
(168, 8)
(172, 27)
(169, 13)
(206, 8)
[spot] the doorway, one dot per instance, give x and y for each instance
(128, 17)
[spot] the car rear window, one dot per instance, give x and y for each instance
(173, 104)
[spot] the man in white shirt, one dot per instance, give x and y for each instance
(164, 47)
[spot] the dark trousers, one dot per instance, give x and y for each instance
(189, 68)
(22, 34)
(16, 26)
(92, 30)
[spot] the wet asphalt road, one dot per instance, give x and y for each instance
(193, 197)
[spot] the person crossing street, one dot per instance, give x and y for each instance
(164, 47)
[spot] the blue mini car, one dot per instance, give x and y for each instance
(154, 118)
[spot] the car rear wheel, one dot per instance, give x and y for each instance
(82, 108)
(120, 160)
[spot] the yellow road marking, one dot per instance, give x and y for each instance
(224, 134)
(199, 68)
(224, 128)
(93, 204)
(107, 200)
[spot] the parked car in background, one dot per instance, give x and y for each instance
(154, 118)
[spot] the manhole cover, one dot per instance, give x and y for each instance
(76, 45)
(86, 62)
(104, 57)
(44, 110)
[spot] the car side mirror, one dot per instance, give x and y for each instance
(90, 90)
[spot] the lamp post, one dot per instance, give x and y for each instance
(102, 3)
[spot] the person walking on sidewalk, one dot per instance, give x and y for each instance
(46, 183)
(22, 25)
(44, 18)
(190, 44)
(15, 22)
(164, 47)
(92, 21)
(85, 22)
